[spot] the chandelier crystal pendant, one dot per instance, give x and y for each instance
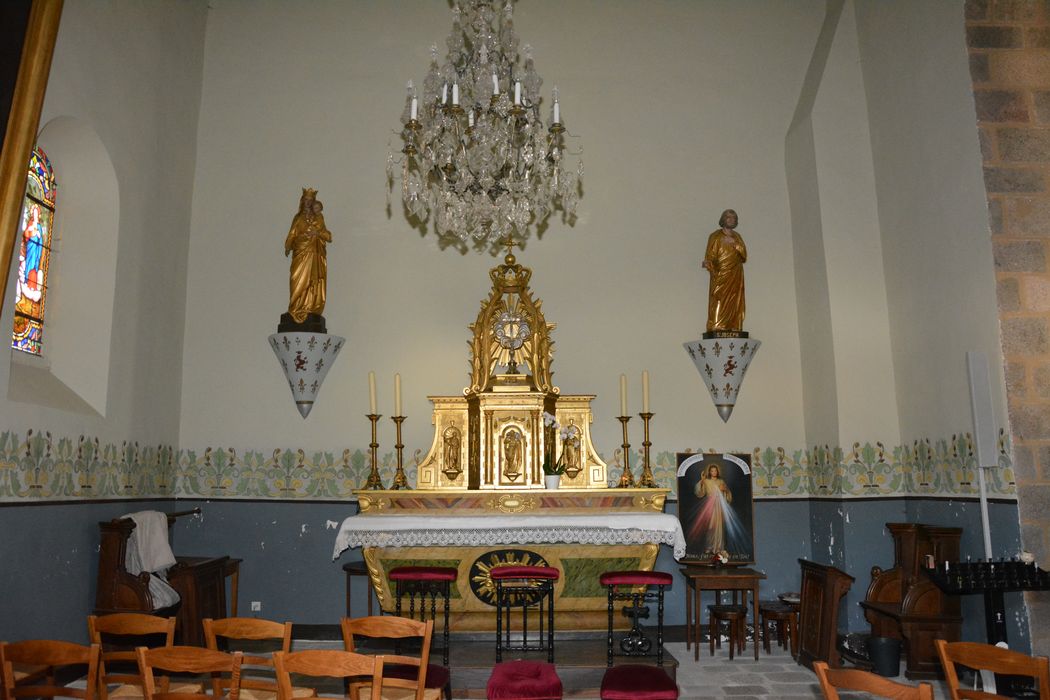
(476, 156)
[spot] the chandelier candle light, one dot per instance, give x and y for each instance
(476, 156)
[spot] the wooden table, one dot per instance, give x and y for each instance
(717, 578)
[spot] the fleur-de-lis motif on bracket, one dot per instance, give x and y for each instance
(298, 340)
(718, 349)
(714, 391)
(312, 342)
(703, 352)
(284, 365)
(338, 345)
(287, 344)
(313, 387)
(744, 348)
(319, 364)
(327, 344)
(692, 353)
(708, 371)
(273, 342)
(732, 347)
(728, 390)
(301, 385)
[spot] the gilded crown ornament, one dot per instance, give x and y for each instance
(476, 157)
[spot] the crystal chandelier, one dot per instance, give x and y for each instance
(476, 155)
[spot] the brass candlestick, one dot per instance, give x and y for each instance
(374, 482)
(400, 481)
(627, 478)
(647, 481)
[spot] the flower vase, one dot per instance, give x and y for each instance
(551, 481)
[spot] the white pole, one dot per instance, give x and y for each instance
(984, 434)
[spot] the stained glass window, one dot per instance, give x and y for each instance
(34, 253)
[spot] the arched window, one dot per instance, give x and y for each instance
(34, 253)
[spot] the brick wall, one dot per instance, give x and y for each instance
(1009, 46)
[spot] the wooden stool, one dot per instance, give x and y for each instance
(784, 620)
(736, 617)
(424, 581)
(530, 585)
(357, 568)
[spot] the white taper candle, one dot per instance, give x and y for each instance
(372, 393)
(623, 394)
(645, 391)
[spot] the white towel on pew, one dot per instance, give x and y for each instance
(148, 550)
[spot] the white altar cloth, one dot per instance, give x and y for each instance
(481, 530)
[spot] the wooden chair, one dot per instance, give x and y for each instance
(51, 654)
(834, 679)
(257, 682)
(990, 658)
(328, 663)
(401, 673)
(181, 659)
(118, 665)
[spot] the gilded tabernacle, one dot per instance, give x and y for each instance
(501, 412)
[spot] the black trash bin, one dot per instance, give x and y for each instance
(885, 654)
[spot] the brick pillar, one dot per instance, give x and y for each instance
(1009, 46)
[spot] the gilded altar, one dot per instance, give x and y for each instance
(479, 500)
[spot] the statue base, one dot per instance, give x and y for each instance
(314, 323)
(709, 335)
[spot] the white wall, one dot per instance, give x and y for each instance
(129, 73)
(682, 109)
(852, 252)
(932, 210)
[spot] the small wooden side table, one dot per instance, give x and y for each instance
(717, 578)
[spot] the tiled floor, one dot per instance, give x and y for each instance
(775, 675)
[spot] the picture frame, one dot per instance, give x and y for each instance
(716, 508)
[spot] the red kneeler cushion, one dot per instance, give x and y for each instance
(636, 578)
(638, 682)
(524, 680)
(423, 573)
(516, 572)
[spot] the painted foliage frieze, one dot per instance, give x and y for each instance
(38, 465)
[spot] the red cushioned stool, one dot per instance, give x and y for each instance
(523, 680)
(637, 681)
(424, 581)
(526, 586)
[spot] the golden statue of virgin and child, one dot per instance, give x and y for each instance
(306, 243)
(724, 259)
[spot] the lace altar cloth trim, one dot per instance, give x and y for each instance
(413, 531)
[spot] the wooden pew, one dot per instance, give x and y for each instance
(199, 581)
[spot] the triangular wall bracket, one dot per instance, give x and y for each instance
(306, 359)
(722, 362)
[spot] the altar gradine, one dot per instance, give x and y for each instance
(486, 461)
